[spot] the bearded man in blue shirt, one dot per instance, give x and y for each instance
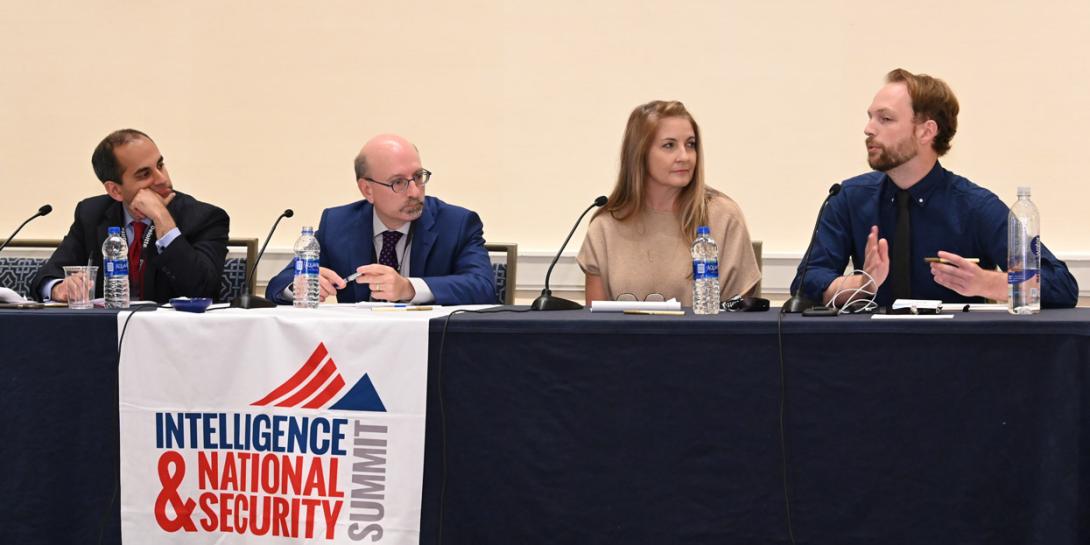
(928, 210)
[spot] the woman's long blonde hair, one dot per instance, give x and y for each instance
(628, 196)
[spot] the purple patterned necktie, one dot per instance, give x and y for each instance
(388, 255)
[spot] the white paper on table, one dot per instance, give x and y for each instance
(918, 303)
(621, 306)
(8, 295)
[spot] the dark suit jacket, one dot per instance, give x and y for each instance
(447, 252)
(191, 266)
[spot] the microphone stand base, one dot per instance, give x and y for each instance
(548, 302)
(796, 304)
(251, 301)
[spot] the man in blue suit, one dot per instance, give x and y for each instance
(405, 246)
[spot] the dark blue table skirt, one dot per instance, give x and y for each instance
(569, 427)
(58, 408)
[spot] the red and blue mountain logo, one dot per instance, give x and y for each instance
(317, 382)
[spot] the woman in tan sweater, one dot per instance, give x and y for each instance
(638, 244)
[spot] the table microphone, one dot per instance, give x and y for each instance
(245, 299)
(44, 210)
(798, 303)
(546, 301)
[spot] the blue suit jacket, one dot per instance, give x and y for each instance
(447, 252)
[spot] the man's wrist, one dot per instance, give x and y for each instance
(849, 287)
(166, 238)
(53, 294)
(406, 288)
(164, 223)
(999, 287)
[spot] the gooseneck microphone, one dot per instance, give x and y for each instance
(546, 301)
(246, 299)
(43, 211)
(798, 302)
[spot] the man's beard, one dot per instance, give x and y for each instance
(889, 159)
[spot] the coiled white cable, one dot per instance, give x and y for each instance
(860, 299)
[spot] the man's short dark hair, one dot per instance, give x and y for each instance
(361, 166)
(104, 161)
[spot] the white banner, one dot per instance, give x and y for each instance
(273, 426)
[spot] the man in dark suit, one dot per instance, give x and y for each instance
(405, 246)
(177, 243)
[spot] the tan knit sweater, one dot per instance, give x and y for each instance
(647, 253)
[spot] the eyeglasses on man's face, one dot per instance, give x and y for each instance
(400, 184)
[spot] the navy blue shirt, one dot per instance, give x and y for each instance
(947, 211)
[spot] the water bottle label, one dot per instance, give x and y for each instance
(306, 266)
(1018, 277)
(699, 269)
(1035, 246)
(711, 269)
(117, 267)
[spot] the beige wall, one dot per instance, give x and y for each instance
(518, 107)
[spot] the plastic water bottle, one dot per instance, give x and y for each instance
(1024, 256)
(306, 289)
(705, 273)
(115, 262)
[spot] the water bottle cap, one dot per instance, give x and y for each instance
(703, 230)
(308, 230)
(1023, 191)
(113, 231)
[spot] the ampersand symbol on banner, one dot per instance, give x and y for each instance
(171, 478)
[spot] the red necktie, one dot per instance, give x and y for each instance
(136, 269)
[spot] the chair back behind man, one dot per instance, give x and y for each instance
(504, 257)
(17, 269)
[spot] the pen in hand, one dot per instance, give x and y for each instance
(350, 278)
(949, 262)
